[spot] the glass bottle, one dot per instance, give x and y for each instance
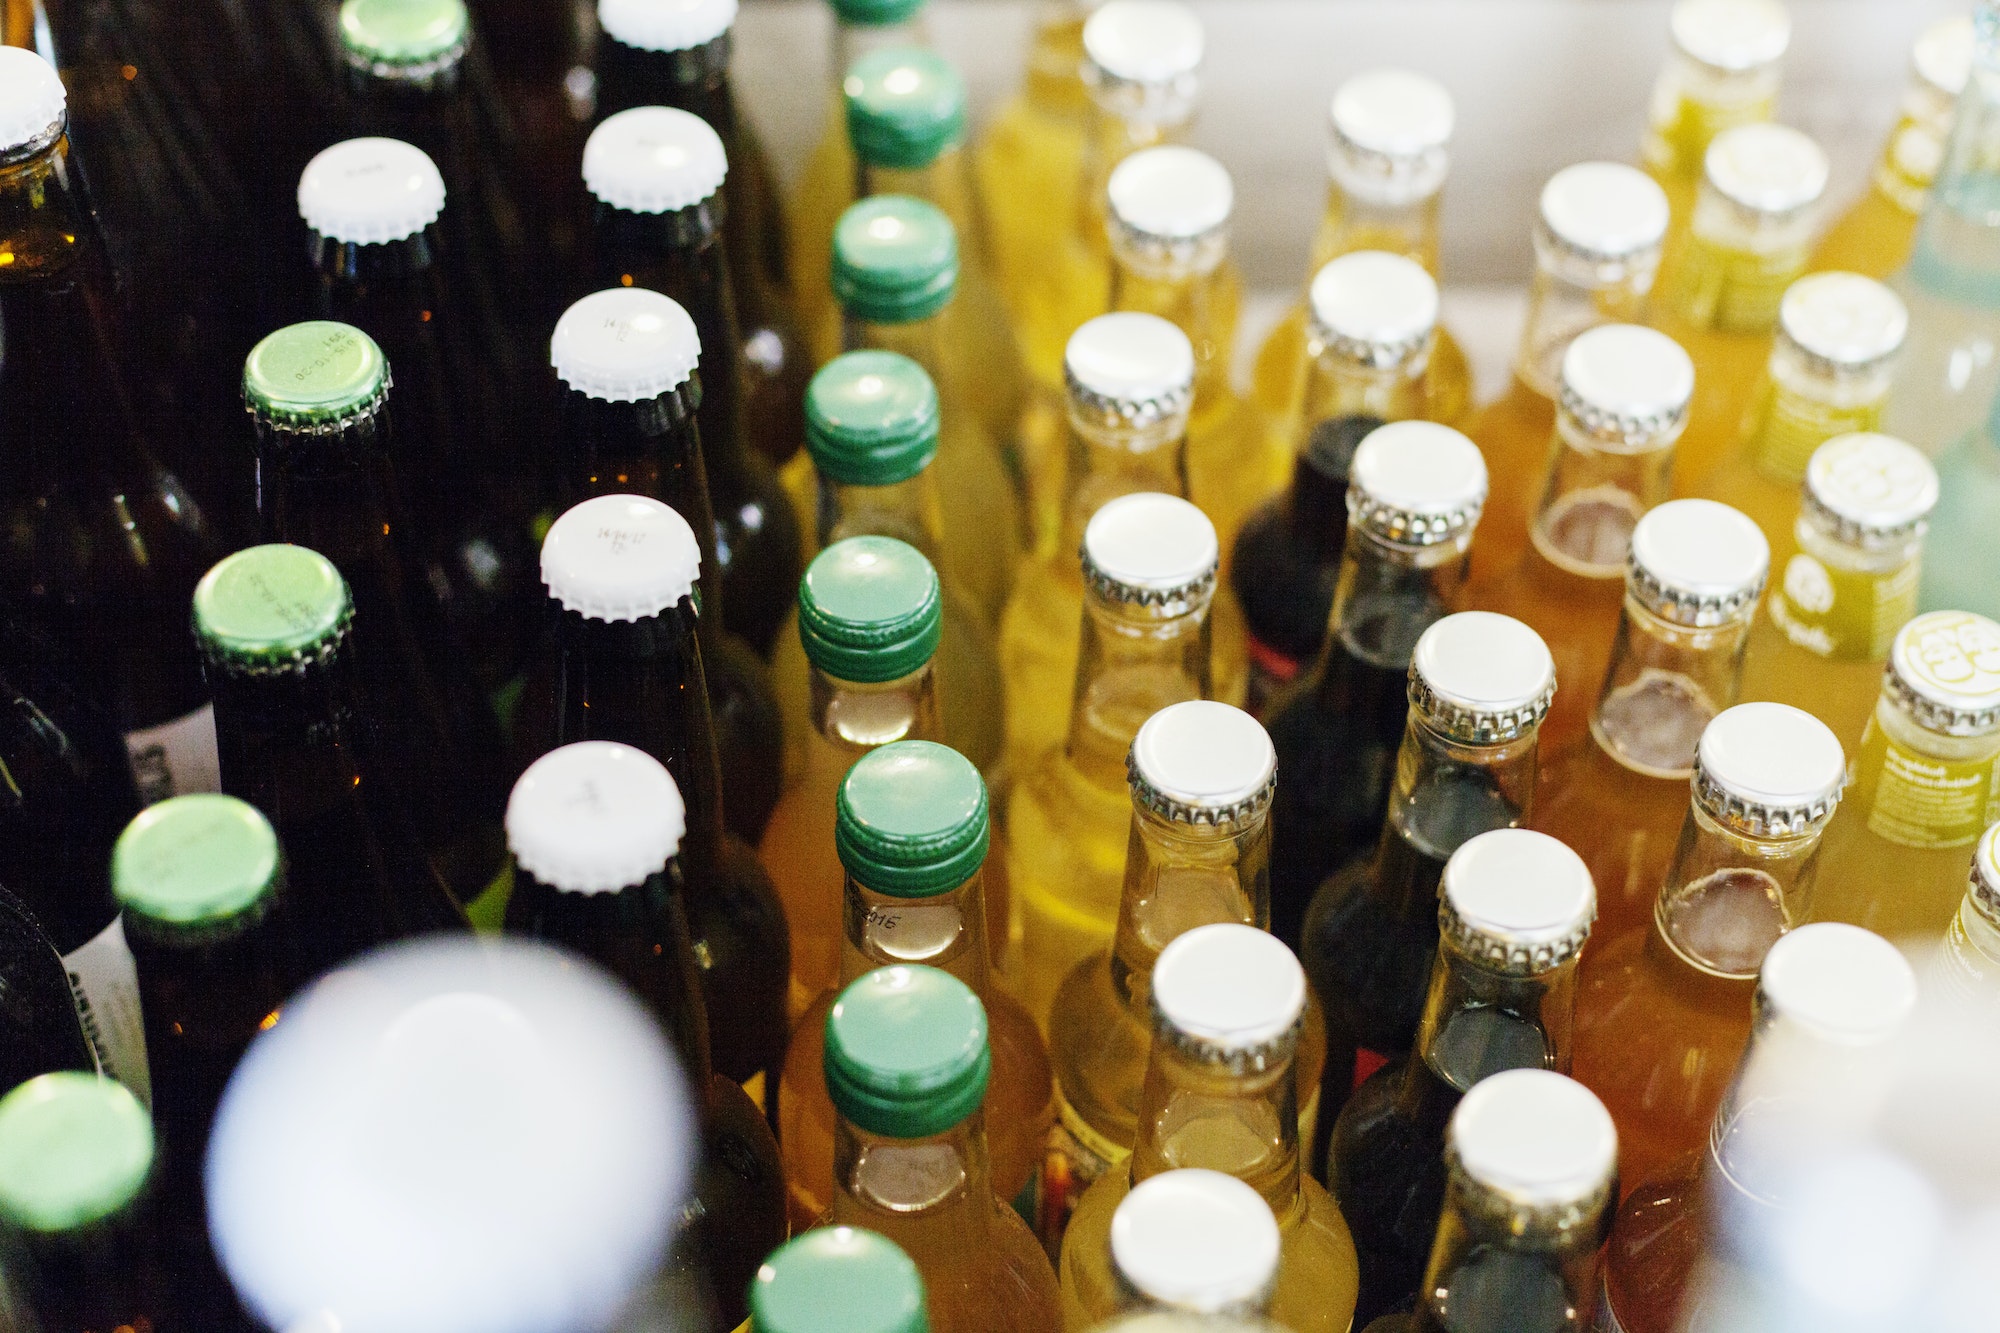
(907, 1066)
(1387, 156)
(626, 666)
(1924, 786)
(42, 1032)
(1197, 1241)
(1825, 992)
(327, 478)
(912, 832)
(1374, 317)
(870, 618)
(1479, 686)
(1149, 562)
(1597, 241)
(1623, 405)
(625, 424)
(108, 545)
(1619, 795)
(1828, 375)
(1514, 910)
(658, 183)
(596, 828)
(1962, 524)
(1413, 497)
(1967, 966)
(1847, 580)
(838, 1280)
(1222, 1092)
(1531, 1165)
(1662, 1014)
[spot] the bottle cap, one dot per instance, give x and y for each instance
(1943, 54)
(595, 817)
(194, 860)
(870, 610)
(270, 609)
(1731, 36)
(74, 1149)
(1769, 770)
(625, 345)
(1697, 563)
(904, 107)
(1538, 1141)
(1416, 483)
(1202, 762)
(620, 557)
(1228, 991)
(1129, 369)
(666, 25)
(1842, 323)
(1169, 210)
(906, 1053)
(654, 159)
(1374, 308)
(406, 40)
(838, 1280)
(1141, 57)
(1944, 666)
(1151, 550)
(1481, 678)
(370, 191)
(1195, 1240)
(1516, 902)
(876, 13)
(1604, 213)
(33, 105)
(911, 819)
(871, 419)
(315, 378)
(449, 1134)
(895, 260)
(1869, 490)
(1627, 387)
(1840, 982)
(1770, 170)
(1389, 132)
(1985, 885)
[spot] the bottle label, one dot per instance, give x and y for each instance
(1923, 802)
(1843, 615)
(105, 985)
(1789, 426)
(1074, 1159)
(176, 757)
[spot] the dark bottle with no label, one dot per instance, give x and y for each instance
(40, 1030)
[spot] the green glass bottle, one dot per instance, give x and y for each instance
(839, 1280)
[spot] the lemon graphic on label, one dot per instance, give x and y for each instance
(1808, 586)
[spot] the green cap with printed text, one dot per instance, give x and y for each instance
(271, 608)
(194, 860)
(74, 1149)
(321, 375)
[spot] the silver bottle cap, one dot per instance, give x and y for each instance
(1141, 58)
(1842, 323)
(595, 817)
(1196, 1240)
(1605, 217)
(1481, 678)
(1416, 483)
(33, 105)
(1202, 762)
(1151, 550)
(1627, 387)
(1841, 983)
(1389, 131)
(1769, 770)
(1532, 1150)
(1229, 994)
(1169, 210)
(1945, 668)
(1129, 370)
(1984, 889)
(1770, 170)
(1516, 902)
(1374, 309)
(1697, 563)
(1869, 490)
(1731, 36)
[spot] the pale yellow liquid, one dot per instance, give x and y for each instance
(824, 191)
(1030, 157)
(1278, 379)
(1728, 367)
(1873, 238)
(1840, 694)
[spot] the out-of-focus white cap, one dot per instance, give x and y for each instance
(654, 159)
(1129, 362)
(595, 817)
(1389, 130)
(1535, 1138)
(1144, 41)
(1843, 319)
(1374, 307)
(665, 25)
(1605, 210)
(620, 557)
(32, 101)
(1839, 982)
(1229, 987)
(1768, 169)
(1196, 1240)
(1170, 193)
(1943, 54)
(1870, 488)
(1732, 36)
(370, 191)
(1202, 756)
(1149, 548)
(625, 344)
(1697, 563)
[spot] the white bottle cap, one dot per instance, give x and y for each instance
(1943, 54)
(1131, 366)
(1768, 169)
(1482, 677)
(1984, 887)
(625, 344)
(665, 25)
(1697, 563)
(1389, 130)
(1870, 489)
(32, 101)
(1842, 983)
(620, 557)
(1416, 483)
(1627, 385)
(1202, 761)
(1229, 987)
(1732, 36)
(1150, 549)
(452, 1135)
(1843, 320)
(1535, 1138)
(1195, 1240)
(1144, 41)
(654, 159)
(370, 191)
(1517, 901)
(1769, 769)
(595, 817)
(1375, 308)
(1944, 666)
(1170, 193)
(1605, 210)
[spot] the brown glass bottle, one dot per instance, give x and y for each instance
(40, 1032)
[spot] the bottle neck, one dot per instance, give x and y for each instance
(1844, 602)
(1109, 138)
(921, 340)
(1054, 56)
(1804, 405)
(1133, 662)
(1199, 299)
(1733, 271)
(1478, 1022)
(283, 741)
(1692, 103)
(1970, 961)
(945, 930)
(1387, 595)
(105, 1275)
(1917, 788)
(1107, 461)
(1729, 896)
(1351, 223)
(1181, 875)
(1958, 242)
(334, 493)
(1591, 499)
(1570, 295)
(1239, 1116)
(945, 181)
(1664, 685)
(1339, 389)
(1497, 1264)
(854, 717)
(693, 79)
(928, 1195)
(1446, 793)
(45, 220)
(908, 510)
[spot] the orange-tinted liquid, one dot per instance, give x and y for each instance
(1623, 823)
(1513, 432)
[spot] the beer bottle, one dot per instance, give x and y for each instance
(1197, 1241)
(1413, 496)
(41, 1031)
(1221, 1091)
(627, 667)
(625, 361)
(838, 1280)
(907, 1066)
(595, 829)
(1513, 915)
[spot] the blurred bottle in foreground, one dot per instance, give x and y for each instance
(1197, 1241)
(838, 1280)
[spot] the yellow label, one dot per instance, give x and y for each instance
(1735, 291)
(1840, 614)
(1789, 426)
(1076, 1156)
(1923, 802)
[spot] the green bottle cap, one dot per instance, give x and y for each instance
(910, 820)
(904, 107)
(319, 376)
(871, 419)
(870, 610)
(838, 1280)
(271, 608)
(194, 860)
(876, 13)
(74, 1149)
(906, 1052)
(895, 260)
(404, 39)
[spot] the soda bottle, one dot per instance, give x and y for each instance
(838, 1280)
(1514, 912)
(1221, 1091)
(1619, 795)
(1662, 1014)
(1962, 523)
(42, 1032)
(907, 1066)
(1197, 1241)
(1968, 964)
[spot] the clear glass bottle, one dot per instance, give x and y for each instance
(1662, 1014)
(1963, 523)
(1619, 795)
(1968, 964)
(907, 1065)
(1221, 1091)
(838, 1280)
(1924, 786)
(1197, 1241)
(1514, 911)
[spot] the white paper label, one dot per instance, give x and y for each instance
(105, 985)
(176, 757)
